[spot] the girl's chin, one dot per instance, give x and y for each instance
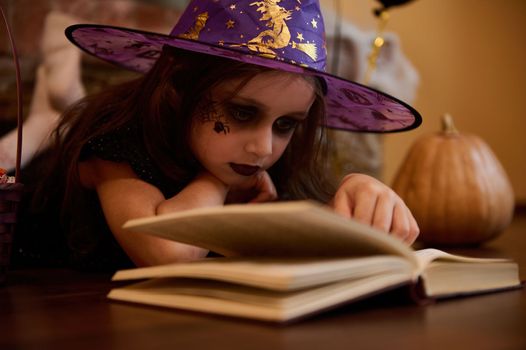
(234, 180)
(230, 178)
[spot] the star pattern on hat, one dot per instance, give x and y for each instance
(230, 24)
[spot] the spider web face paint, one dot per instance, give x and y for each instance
(209, 113)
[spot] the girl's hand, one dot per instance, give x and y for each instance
(259, 188)
(369, 201)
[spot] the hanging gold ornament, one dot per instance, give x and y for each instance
(377, 44)
(383, 17)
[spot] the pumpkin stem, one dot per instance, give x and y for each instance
(448, 127)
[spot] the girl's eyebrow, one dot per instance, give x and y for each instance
(251, 102)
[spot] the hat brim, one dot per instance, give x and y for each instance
(350, 106)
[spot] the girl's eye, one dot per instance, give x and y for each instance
(285, 125)
(241, 113)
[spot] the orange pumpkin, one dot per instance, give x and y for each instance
(456, 188)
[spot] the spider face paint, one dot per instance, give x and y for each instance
(221, 127)
(209, 113)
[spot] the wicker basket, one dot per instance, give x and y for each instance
(11, 193)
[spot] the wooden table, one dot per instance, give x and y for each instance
(63, 309)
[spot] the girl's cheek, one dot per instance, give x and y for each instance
(281, 145)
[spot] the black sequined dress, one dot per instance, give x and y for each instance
(81, 239)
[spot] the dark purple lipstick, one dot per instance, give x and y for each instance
(244, 169)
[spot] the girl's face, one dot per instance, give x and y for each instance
(245, 132)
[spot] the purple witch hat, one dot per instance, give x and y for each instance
(286, 35)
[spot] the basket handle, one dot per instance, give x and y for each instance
(19, 120)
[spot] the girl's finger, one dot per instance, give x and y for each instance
(400, 225)
(266, 195)
(364, 207)
(414, 230)
(383, 213)
(266, 191)
(342, 205)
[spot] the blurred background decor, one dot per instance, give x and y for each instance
(466, 57)
(54, 72)
(352, 54)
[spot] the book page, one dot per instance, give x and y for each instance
(426, 256)
(278, 229)
(275, 274)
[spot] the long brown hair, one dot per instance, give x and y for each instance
(162, 102)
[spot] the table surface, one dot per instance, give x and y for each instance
(60, 308)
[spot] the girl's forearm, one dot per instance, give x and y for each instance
(204, 191)
(123, 196)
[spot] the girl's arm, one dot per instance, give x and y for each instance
(124, 196)
(369, 201)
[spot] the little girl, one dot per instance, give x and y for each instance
(231, 108)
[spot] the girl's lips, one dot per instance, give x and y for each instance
(244, 169)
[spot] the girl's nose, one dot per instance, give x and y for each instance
(260, 142)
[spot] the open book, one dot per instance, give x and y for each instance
(287, 260)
